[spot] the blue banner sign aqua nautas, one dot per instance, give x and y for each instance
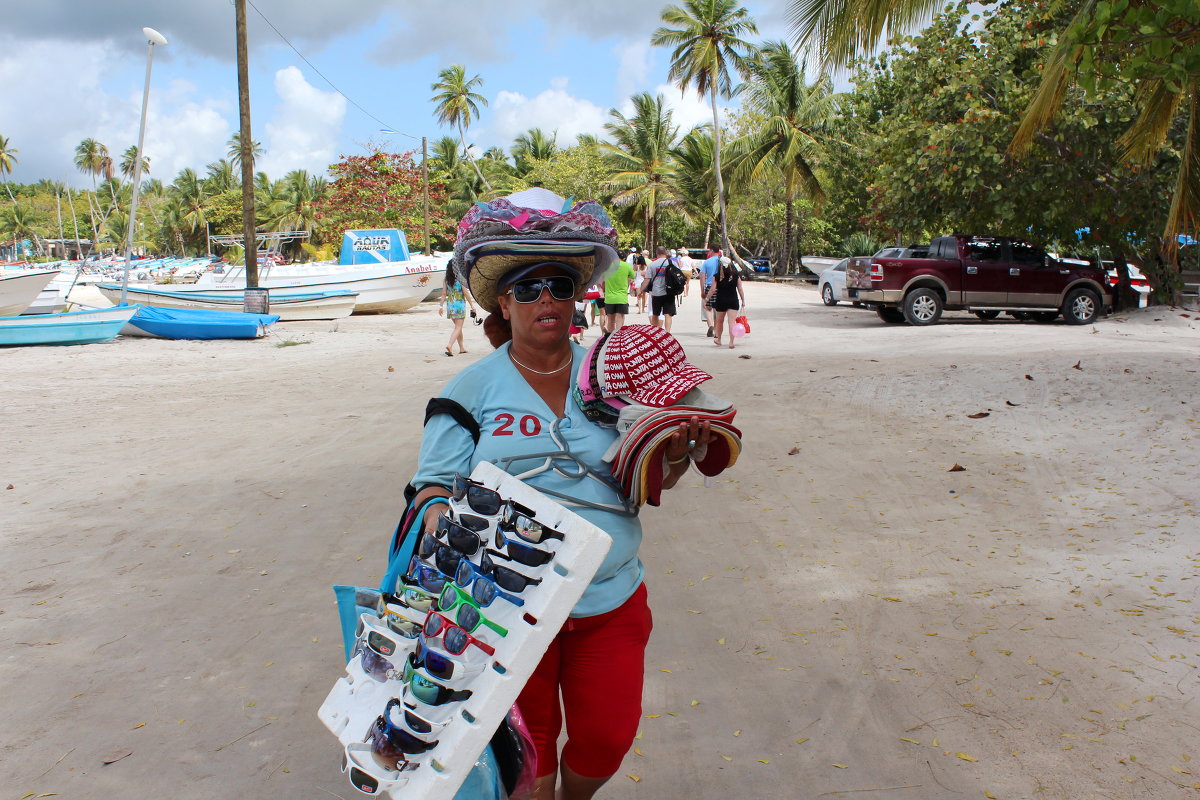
(377, 246)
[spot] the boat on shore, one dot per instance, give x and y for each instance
(290, 306)
(20, 288)
(75, 327)
(375, 264)
(197, 323)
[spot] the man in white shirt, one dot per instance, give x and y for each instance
(684, 262)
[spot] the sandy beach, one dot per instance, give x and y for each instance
(840, 615)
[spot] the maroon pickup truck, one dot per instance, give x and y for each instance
(981, 274)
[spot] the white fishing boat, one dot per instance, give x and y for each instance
(19, 288)
(375, 264)
(290, 305)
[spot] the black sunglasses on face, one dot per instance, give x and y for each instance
(529, 290)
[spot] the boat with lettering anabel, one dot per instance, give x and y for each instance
(376, 264)
(290, 305)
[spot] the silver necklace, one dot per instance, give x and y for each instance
(516, 361)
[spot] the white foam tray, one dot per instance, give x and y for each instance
(356, 699)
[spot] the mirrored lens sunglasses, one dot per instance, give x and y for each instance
(426, 576)
(527, 528)
(428, 691)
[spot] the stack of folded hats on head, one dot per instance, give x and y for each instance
(639, 381)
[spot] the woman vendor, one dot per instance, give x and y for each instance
(527, 266)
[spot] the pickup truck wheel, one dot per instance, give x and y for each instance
(922, 307)
(827, 295)
(986, 315)
(1044, 316)
(890, 315)
(1081, 307)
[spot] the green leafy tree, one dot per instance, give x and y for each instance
(533, 144)
(222, 177)
(1154, 44)
(695, 179)
(458, 105)
(640, 159)
(790, 142)
(708, 47)
(939, 158)
(581, 171)
(381, 190)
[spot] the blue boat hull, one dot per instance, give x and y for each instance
(179, 323)
(77, 327)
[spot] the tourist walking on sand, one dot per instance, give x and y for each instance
(708, 271)
(662, 302)
(455, 299)
(685, 264)
(592, 674)
(641, 262)
(727, 296)
(616, 296)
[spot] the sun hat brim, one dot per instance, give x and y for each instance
(493, 261)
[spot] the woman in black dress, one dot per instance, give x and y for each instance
(727, 294)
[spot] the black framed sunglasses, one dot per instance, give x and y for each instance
(528, 290)
(480, 498)
(520, 552)
(527, 528)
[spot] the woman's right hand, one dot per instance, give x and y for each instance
(429, 524)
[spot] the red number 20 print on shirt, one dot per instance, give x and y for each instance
(529, 425)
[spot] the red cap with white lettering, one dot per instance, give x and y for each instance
(645, 364)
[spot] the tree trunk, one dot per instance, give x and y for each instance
(788, 220)
(707, 233)
(462, 137)
(712, 93)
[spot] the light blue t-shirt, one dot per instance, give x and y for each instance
(515, 421)
(710, 267)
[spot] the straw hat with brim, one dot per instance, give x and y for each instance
(495, 260)
(535, 225)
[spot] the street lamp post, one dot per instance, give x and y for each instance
(153, 37)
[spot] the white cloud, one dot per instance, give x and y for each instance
(304, 132)
(688, 109)
(54, 93)
(634, 59)
(555, 111)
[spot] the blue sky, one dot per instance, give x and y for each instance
(72, 69)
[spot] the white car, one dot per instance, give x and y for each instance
(832, 283)
(1137, 279)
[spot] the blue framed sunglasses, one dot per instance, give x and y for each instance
(483, 589)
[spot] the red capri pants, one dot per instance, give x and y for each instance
(598, 664)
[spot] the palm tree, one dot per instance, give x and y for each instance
(458, 105)
(707, 37)
(693, 161)
(7, 160)
(89, 158)
(640, 155)
(234, 153)
(790, 138)
(532, 144)
(129, 162)
(846, 29)
(221, 177)
(188, 195)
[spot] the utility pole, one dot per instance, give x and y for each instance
(249, 241)
(425, 192)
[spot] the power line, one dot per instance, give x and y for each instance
(389, 128)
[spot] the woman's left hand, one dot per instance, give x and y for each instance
(688, 437)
